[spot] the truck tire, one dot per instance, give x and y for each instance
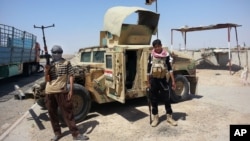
(181, 92)
(81, 103)
(27, 69)
(39, 68)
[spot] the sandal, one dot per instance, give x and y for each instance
(56, 138)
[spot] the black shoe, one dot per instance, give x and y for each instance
(80, 137)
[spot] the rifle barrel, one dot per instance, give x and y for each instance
(47, 56)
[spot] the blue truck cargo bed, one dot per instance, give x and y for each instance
(17, 48)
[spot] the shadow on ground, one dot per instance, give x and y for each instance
(127, 110)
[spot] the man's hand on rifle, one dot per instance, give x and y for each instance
(46, 73)
(173, 85)
(148, 85)
(47, 67)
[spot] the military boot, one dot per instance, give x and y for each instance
(170, 120)
(155, 120)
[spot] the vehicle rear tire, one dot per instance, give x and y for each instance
(181, 92)
(41, 103)
(81, 103)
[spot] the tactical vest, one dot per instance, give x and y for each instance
(159, 67)
(59, 85)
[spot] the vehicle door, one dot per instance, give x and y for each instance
(115, 73)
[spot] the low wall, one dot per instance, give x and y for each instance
(240, 59)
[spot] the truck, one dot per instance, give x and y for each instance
(18, 52)
(116, 69)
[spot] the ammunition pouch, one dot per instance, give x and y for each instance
(158, 68)
(158, 72)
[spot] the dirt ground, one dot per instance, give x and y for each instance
(221, 100)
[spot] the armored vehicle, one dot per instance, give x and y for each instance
(116, 70)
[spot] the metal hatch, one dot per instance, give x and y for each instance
(115, 16)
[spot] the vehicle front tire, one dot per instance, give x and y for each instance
(81, 103)
(181, 92)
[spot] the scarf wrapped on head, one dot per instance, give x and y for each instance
(163, 53)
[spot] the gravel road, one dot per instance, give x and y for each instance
(11, 108)
(221, 100)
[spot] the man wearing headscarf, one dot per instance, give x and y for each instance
(159, 63)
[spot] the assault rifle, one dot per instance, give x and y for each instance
(148, 93)
(47, 56)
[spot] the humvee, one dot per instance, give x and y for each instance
(116, 70)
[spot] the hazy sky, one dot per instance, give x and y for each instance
(79, 22)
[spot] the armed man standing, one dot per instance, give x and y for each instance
(158, 65)
(59, 95)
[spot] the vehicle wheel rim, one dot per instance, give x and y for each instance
(78, 104)
(179, 88)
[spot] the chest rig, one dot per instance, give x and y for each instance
(159, 67)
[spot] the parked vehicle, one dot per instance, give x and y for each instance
(116, 70)
(18, 52)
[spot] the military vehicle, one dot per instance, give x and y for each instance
(116, 70)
